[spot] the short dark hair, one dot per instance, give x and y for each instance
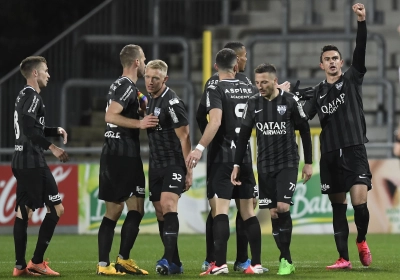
(236, 46)
(30, 63)
(226, 59)
(129, 54)
(329, 48)
(265, 68)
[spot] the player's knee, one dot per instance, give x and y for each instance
(274, 213)
(24, 212)
(282, 207)
(159, 215)
(57, 209)
(52, 212)
(168, 206)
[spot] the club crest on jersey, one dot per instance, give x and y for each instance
(281, 109)
(157, 111)
(339, 85)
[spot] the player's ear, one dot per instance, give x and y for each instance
(215, 66)
(165, 79)
(321, 65)
(236, 68)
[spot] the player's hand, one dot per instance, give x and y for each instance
(188, 180)
(59, 153)
(285, 86)
(359, 10)
(303, 93)
(64, 134)
(148, 121)
(306, 172)
(193, 158)
(235, 176)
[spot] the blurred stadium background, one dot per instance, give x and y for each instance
(83, 60)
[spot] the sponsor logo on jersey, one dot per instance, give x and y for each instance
(173, 115)
(281, 109)
(157, 111)
(139, 190)
(271, 128)
(127, 93)
(33, 106)
(112, 134)
(173, 101)
(333, 105)
(325, 187)
(54, 198)
(339, 85)
(301, 111)
(264, 201)
(239, 90)
(41, 120)
(19, 148)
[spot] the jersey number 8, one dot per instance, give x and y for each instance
(16, 125)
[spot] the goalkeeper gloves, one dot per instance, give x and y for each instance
(303, 93)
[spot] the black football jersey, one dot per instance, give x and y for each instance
(27, 154)
(230, 96)
(274, 121)
(122, 141)
(165, 146)
(340, 111)
(201, 115)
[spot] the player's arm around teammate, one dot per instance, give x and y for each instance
(121, 178)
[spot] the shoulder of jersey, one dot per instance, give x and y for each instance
(255, 96)
(26, 92)
(123, 81)
(243, 78)
(172, 97)
(212, 87)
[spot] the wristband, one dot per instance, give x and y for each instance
(236, 165)
(200, 147)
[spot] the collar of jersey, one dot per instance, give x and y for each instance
(230, 80)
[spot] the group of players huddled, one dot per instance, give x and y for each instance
(231, 106)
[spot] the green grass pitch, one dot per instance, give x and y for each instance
(75, 257)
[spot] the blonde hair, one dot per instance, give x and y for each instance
(28, 64)
(129, 54)
(159, 65)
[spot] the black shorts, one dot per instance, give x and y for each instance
(277, 186)
(36, 187)
(169, 179)
(341, 169)
(219, 182)
(120, 178)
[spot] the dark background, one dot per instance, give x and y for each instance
(28, 25)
